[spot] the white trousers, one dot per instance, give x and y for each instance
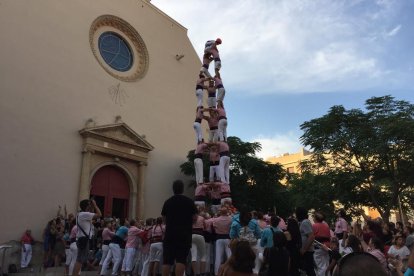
(217, 64)
(26, 255)
(198, 248)
(145, 264)
(114, 255)
(226, 199)
(212, 102)
(214, 173)
(321, 258)
(257, 261)
(222, 249)
(68, 256)
(215, 53)
(155, 252)
(198, 132)
(202, 204)
(224, 169)
(198, 165)
(205, 72)
(220, 94)
(74, 253)
(208, 256)
(105, 249)
(128, 262)
(259, 257)
(222, 130)
(213, 135)
(199, 95)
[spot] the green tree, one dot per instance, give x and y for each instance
(313, 192)
(368, 155)
(254, 183)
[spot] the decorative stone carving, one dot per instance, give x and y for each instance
(119, 134)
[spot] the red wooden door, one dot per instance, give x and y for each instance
(111, 191)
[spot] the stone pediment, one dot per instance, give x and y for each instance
(119, 133)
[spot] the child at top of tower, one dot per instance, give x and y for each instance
(211, 52)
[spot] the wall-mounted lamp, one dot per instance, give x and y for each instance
(178, 57)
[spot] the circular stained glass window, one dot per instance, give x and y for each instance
(115, 51)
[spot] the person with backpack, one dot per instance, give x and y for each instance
(247, 229)
(266, 239)
(277, 256)
(89, 211)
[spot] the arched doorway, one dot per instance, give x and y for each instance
(110, 188)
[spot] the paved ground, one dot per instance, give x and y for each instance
(51, 271)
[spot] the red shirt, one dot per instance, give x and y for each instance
(26, 239)
(322, 232)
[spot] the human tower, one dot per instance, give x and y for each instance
(217, 186)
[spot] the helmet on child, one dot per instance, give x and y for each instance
(218, 41)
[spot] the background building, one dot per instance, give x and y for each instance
(95, 98)
(291, 163)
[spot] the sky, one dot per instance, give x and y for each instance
(285, 62)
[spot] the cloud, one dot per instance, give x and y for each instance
(293, 46)
(278, 144)
(394, 31)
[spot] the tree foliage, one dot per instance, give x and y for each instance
(312, 191)
(254, 183)
(367, 155)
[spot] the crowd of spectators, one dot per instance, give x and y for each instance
(232, 242)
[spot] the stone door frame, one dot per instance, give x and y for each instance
(115, 145)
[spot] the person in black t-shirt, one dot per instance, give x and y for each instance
(277, 256)
(179, 212)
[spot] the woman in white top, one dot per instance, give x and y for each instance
(398, 249)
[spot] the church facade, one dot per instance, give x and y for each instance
(96, 99)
